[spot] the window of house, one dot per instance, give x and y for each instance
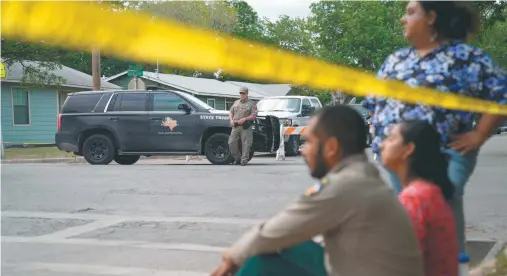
(20, 106)
(228, 104)
(211, 102)
(62, 96)
(166, 102)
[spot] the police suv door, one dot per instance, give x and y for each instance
(171, 128)
(127, 116)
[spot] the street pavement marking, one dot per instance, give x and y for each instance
(23, 214)
(78, 230)
(98, 269)
(116, 243)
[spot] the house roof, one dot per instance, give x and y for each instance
(268, 90)
(73, 77)
(201, 86)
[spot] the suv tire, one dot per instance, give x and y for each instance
(98, 149)
(292, 148)
(217, 150)
(126, 159)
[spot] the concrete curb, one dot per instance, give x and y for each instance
(45, 160)
(80, 159)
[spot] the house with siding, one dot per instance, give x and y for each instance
(29, 113)
(220, 95)
(268, 90)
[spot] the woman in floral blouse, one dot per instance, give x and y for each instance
(412, 151)
(440, 59)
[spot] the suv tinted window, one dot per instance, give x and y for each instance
(166, 102)
(133, 102)
(81, 103)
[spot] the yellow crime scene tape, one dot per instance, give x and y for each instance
(139, 37)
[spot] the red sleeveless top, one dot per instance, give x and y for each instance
(435, 227)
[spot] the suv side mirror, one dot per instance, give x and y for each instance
(184, 107)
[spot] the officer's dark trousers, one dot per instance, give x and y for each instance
(305, 259)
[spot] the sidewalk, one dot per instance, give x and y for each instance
(494, 264)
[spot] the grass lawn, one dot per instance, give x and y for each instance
(35, 153)
(500, 266)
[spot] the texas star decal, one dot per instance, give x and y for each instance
(170, 123)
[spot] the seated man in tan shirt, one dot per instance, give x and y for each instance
(366, 230)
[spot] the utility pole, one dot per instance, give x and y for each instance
(157, 69)
(96, 69)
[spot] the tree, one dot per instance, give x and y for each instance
(212, 15)
(50, 58)
(359, 34)
(494, 41)
(35, 74)
(293, 34)
(248, 25)
(217, 16)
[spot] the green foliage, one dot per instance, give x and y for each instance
(35, 74)
(360, 34)
(324, 96)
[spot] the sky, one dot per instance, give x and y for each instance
(272, 9)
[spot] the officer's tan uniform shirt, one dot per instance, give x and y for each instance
(366, 230)
(241, 110)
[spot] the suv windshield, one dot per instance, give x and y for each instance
(279, 104)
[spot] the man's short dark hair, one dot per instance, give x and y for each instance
(345, 124)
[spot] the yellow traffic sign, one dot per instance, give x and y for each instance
(2, 70)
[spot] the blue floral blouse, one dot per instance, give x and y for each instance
(455, 67)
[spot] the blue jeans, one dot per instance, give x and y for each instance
(460, 170)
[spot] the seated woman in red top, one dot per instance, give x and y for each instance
(412, 150)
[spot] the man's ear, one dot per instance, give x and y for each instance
(331, 147)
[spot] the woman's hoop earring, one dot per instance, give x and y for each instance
(433, 37)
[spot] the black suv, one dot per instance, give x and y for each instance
(104, 126)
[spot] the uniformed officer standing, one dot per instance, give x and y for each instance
(366, 230)
(241, 117)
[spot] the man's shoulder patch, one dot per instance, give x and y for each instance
(317, 187)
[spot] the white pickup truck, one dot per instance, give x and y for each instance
(292, 111)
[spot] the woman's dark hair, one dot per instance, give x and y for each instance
(427, 161)
(454, 20)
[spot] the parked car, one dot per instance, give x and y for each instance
(104, 126)
(503, 128)
(500, 129)
(292, 111)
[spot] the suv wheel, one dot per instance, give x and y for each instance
(217, 149)
(126, 159)
(98, 149)
(292, 148)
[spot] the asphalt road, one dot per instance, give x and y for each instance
(172, 217)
